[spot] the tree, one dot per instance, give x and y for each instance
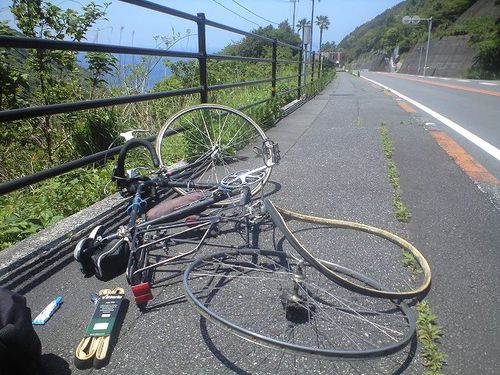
(300, 26)
(54, 73)
(100, 65)
(253, 47)
(323, 22)
(329, 47)
(13, 81)
(301, 23)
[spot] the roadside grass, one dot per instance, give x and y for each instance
(358, 121)
(411, 262)
(428, 331)
(400, 209)
(429, 334)
(49, 201)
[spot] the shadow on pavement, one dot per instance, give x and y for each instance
(53, 364)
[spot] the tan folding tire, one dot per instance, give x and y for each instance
(279, 216)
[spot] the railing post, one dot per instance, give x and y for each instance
(202, 59)
(320, 64)
(274, 67)
(300, 72)
(312, 66)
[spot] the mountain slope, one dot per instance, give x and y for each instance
(477, 22)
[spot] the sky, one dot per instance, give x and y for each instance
(131, 25)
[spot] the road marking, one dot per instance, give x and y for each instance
(465, 161)
(488, 84)
(406, 107)
(479, 142)
(444, 78)
(463, 80)
(450, 85)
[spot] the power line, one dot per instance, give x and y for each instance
(232, 11)
(255, 14)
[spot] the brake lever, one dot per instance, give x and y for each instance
(132, 172)
(130, 134)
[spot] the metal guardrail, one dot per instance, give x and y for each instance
(203, 89)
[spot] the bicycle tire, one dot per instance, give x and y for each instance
(199, 129)
(245, 293)
(278, 215)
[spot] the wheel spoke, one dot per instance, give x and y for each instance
(225, 132)
(269, 298)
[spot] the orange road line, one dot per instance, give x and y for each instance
(464, 160)
(449, 85)
(407, 107)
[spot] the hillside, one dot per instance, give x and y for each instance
(470, 27)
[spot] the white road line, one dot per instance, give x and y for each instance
(445, 79)
(488, 84)
(479, 142)
(463, 80)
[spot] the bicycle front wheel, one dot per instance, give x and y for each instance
(280, 302)
(206, 142)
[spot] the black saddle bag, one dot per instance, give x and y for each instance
(111, 261)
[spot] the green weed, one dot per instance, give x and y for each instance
(358, 121)
(429, 334)
(48, 202)
(400, 210)
(411, 262)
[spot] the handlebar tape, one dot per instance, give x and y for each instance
(133, 143)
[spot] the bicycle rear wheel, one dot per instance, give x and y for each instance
(206, 142)
(317, 237)
(280, 302)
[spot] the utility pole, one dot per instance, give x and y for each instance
(306, 39)
(312, 24)
(429, 20)
(294, 7)
(415, 20)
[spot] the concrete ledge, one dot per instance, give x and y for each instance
(68, 230)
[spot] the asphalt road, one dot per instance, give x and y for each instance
(473, 104)
(333, 165)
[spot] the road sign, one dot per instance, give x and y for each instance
(406, 20)
(415, 20)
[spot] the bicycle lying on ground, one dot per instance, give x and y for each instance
(297, 301)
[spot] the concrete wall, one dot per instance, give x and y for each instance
(448, 57)
(376, 61)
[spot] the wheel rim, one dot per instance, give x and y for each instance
(220, 139)
(251, 294)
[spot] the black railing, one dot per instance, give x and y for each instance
(203, 89)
